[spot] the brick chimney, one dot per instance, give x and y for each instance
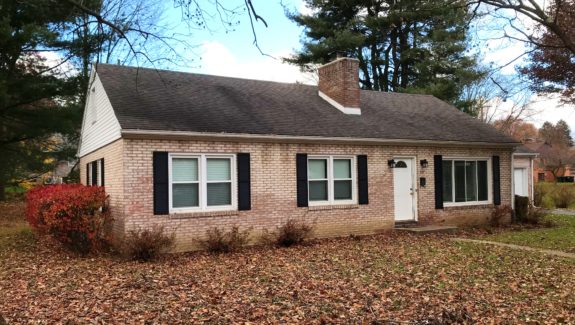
(339, 84)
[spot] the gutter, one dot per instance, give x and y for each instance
(243, 137)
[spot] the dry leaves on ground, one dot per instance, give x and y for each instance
(383, 278)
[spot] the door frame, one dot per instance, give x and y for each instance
(414, 184)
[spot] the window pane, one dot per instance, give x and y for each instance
(185, 169)
(218, 169)
(184, 195)
(317, 168)
(342, 190)
(471, 180)
(318, 190)
(482, 181)
(447, 181)
(459, 181)
(341, 168)
(219, 194)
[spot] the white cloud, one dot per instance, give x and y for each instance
(540, 109)
(219, 60)
(550, 109)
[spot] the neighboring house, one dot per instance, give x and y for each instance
(192, 152)
(542, 172)
(523, 171)
(57, 175)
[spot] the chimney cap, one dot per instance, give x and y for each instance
(338, 54)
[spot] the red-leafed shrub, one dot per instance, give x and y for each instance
(73, 214)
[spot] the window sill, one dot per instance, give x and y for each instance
(332, 207)
(203, 214)
(468, 206)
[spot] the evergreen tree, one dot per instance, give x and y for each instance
(558, 134)
(564, 128)
(412, 46)
(35, 102)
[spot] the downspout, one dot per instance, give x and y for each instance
(513, 186)
(532, 181)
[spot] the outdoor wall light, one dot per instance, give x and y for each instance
(391, 163)
(423, 163)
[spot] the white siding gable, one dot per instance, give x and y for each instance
(99, 125)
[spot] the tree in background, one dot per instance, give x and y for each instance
(518, 129)
(558, 134)
(552, 65)
(557, 154)
(402, 46)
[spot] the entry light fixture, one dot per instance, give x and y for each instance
(391, 163)
(423, 163)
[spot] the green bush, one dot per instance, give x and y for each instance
(547, 202)
(564, 196)
(554, 195)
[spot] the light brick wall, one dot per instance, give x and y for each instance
(113, 179)
(273, 186)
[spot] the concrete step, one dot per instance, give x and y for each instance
(428, 229)
(406, 224)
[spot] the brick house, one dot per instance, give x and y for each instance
(192, 152)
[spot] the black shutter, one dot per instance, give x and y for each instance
(301, 172)
(244, 184)
(88, 174)
(496, 181)
(94, 172)
(161, 183)
(362, 184)
(438, 180)
(102, 171)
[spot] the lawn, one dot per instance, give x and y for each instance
(386, 278)
(561, 237)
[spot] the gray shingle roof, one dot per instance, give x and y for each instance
(524, 150)
(147, 99)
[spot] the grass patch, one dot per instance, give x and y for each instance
(561, 237)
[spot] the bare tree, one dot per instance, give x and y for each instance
(135, 36)
(547, 17)
(556, 157)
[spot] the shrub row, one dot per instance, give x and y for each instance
(555, 195)
(77, 216)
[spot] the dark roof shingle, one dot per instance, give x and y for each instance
(147, 99)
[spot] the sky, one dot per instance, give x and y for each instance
(232, 53)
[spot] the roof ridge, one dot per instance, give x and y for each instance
(128, 67)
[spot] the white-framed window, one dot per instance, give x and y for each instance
(331, 180)
(94, 178)
(466, 181)
(202, 182)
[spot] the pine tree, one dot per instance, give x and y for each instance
(402, 46)
(35, 103)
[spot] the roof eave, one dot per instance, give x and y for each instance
(242, 137)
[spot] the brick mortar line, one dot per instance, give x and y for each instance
(525, 248)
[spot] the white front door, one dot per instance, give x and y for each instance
(520, 180)
(404, 189)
